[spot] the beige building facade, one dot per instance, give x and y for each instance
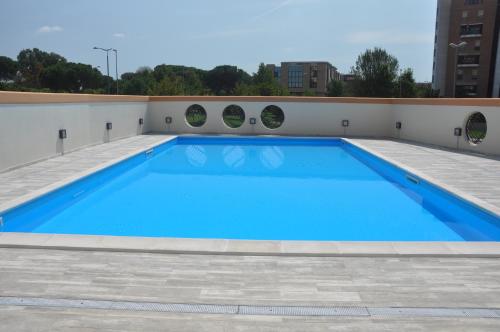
(474, 25)
(305, 77)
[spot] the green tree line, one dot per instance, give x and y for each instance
(376, 73)
(36, 70)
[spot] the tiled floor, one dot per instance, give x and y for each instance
(292, 281)
(476, 175)
(358, 281)
(23, 180)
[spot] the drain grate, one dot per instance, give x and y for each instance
(121, 305)
(250, 309)
(303, 311)
(434, 312)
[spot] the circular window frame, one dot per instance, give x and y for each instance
(472, 139)
(190, 108)
(240, 109)
(264, 122)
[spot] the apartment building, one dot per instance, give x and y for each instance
(466, 55)
(302, 77)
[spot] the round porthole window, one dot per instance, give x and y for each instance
(475, 128)
(272, 117)
(233, 116)
(196, 116)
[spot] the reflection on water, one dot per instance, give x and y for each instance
(234, 156)
(272, 157)
(196, 155)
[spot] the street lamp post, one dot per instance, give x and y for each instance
(107, 62)
(400, 83)
(456, 47)
(116, 68)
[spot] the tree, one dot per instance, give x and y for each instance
(265, 84)
(8, 68)
(243, 89)
(407, 87)
(170, 86)
(189, 79)
(142, 82)
(32, 62)
(335, 89)
(222, 80)
(71, 77)
(425, 90)
(375, 74)
(309, 93)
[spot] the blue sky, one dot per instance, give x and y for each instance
(206, 33)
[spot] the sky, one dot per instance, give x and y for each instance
(207, 33)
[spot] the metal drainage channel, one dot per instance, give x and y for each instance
(249, 309)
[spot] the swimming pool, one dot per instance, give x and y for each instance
(256, 189)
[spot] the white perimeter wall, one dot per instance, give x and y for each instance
(301, 119)
(30, 132)
(435, 125)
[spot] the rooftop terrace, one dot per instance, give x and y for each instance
(353, 286)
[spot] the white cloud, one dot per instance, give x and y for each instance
(272, 10)
(281, 5)
(228, 33)
(49, 29)
(119, 35)
(389, 37)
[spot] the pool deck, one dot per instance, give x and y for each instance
(431, 282)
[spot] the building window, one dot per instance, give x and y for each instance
(272, 117)
(474, 75)
(313, 80)
(467, 60)
(466, 90)
(471, 29)
(233, 116)
(196, 116)
(295, 76)
(477, 45)
(465, 14)
(480, 13)
(473, 2)
(476, 128)
(460, 75)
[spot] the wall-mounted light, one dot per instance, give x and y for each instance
(398, 125)
(345, 123)
(457, 131)
(109, 125)
(141, 121)
(168, 119)
(63, 134)
(253, 121)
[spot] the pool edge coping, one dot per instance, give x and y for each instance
(188, 246)
(477, 202)
(24, 199)
(247, 247)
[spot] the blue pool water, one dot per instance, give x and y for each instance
(256, 188)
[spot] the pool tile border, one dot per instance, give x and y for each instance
(247, 247)
(481, 204)
(59, 184)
